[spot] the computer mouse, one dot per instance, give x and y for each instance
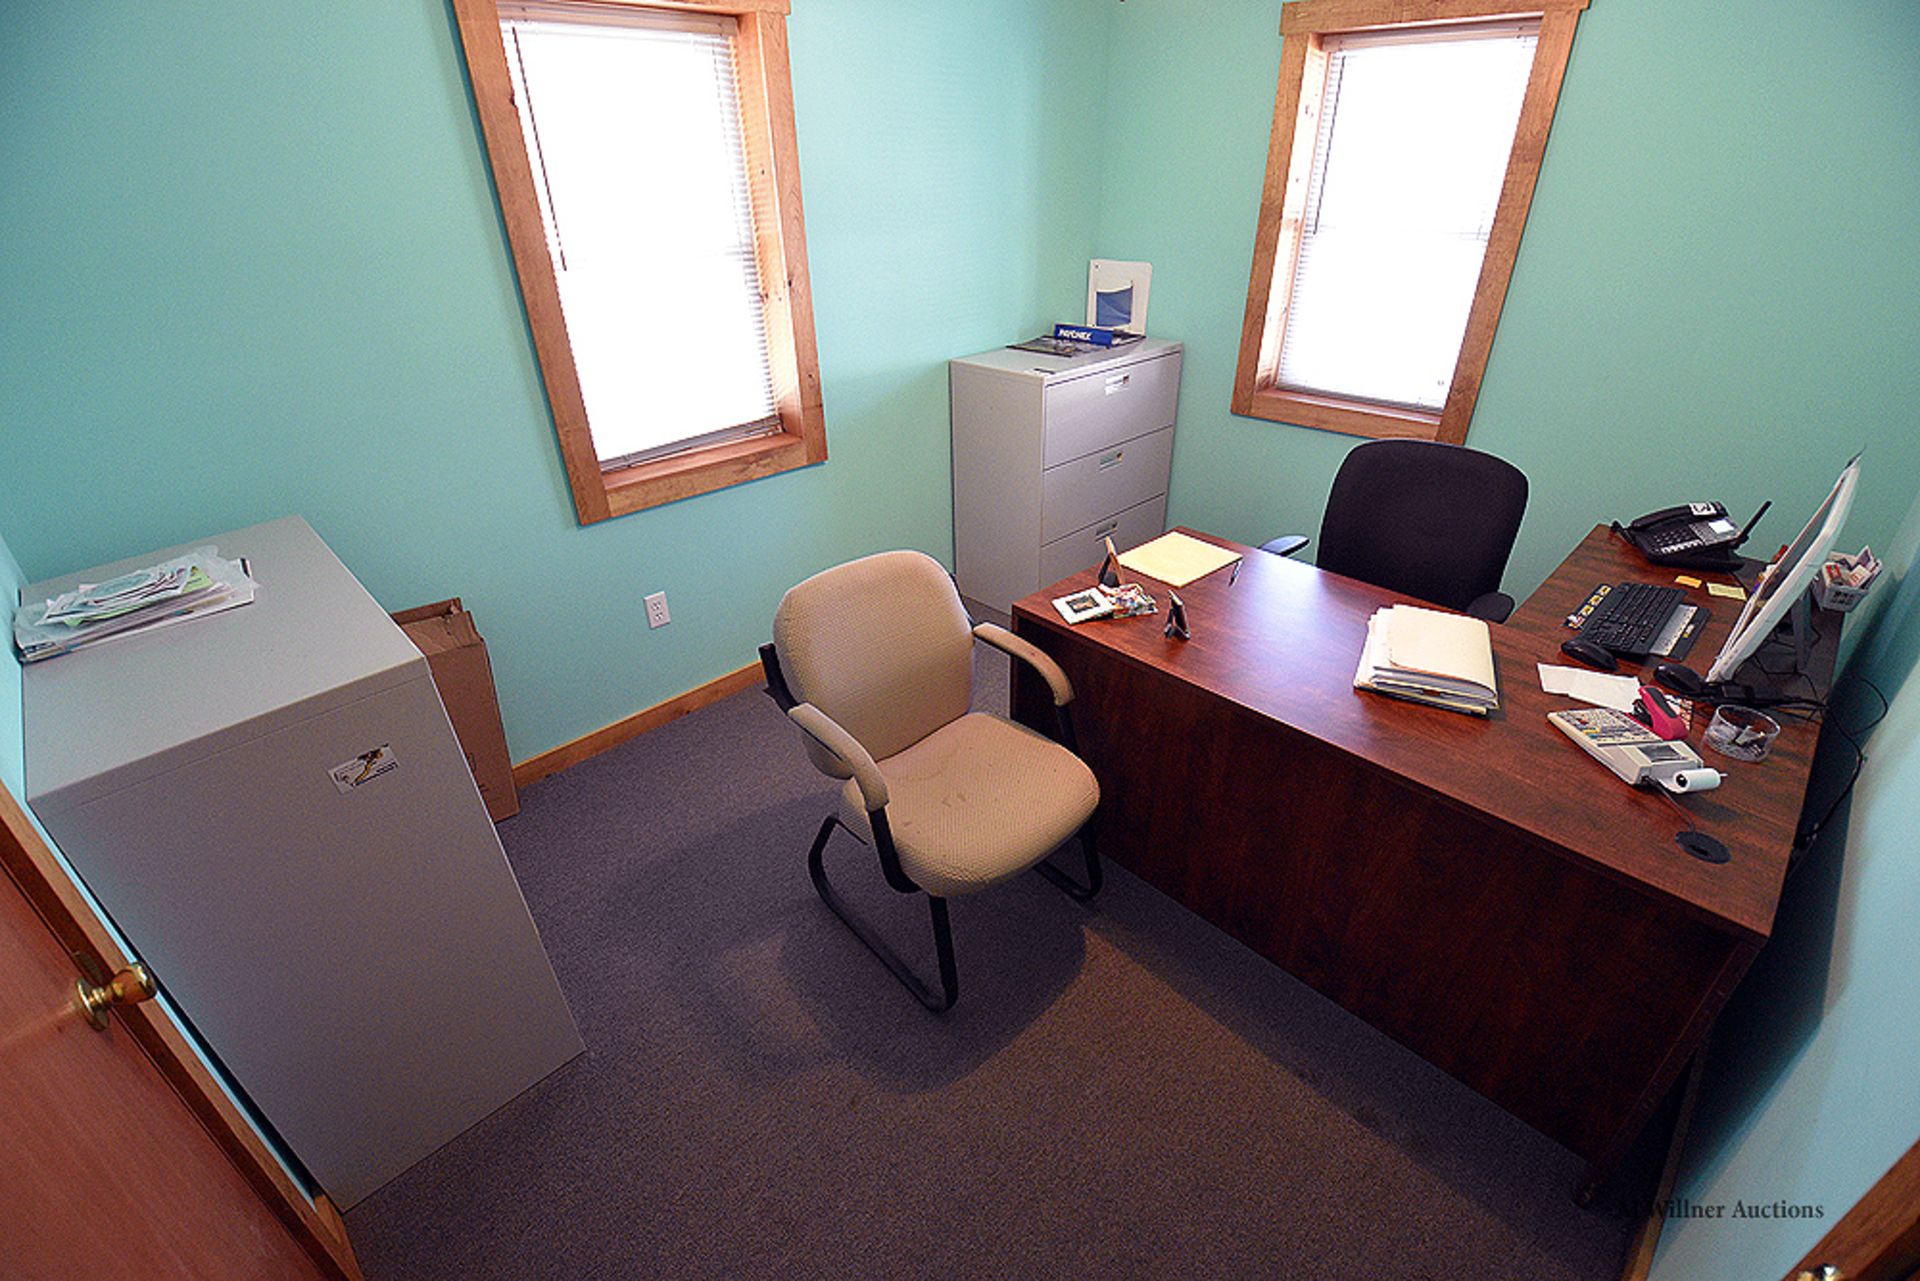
(1590, 654)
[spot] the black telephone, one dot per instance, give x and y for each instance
(1692, 536)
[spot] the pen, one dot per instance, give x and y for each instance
(1231, 578)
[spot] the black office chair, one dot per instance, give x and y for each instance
(1431, 520)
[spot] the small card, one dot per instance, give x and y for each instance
(363, 769)
(1686, 580)
(1731, 591)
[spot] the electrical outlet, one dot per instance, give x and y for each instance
(657, 615)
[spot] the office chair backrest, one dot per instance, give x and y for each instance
(1434, 521)
(882, 645)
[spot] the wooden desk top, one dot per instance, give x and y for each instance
(1284, 641)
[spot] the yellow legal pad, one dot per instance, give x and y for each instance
(1176, 559)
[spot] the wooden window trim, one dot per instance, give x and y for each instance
(1304, 26)
(773, 174)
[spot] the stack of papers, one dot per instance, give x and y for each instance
(1429, 657)
(201, 582)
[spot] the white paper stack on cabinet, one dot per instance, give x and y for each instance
(1429, 657)
(1051, 455)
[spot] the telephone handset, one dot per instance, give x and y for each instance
(1693, 536)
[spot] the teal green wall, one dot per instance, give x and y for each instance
(253, 265)
(13, 774)
(1717, 296)
(1810, 1093)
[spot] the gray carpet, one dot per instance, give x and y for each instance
(1121, 1092)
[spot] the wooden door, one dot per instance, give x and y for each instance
(1877, 1240)
(119, 1157)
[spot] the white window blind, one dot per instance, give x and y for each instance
(1415, 131)
(632, 126)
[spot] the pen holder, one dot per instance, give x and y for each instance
(1742, 733)
(1836, 597)
(1829, 593)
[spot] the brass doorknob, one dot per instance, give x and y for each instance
(129, 987)
(1827, 1272)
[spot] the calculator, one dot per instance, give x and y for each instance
(1632, 751)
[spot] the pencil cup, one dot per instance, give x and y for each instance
(1837, 596)
(1742, 733)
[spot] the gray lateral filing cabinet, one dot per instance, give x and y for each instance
(1053, 454)
(354, 952)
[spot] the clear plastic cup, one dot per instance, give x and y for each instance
(1742, 733)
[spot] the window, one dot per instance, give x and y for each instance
(645, 160)
(1406, 139)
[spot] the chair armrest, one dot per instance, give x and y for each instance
(1494, 607)
(1030, 654)
(776, 679)
(827, 732)
(1286, 545)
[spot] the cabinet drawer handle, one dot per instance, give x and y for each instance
(1118, 382)
(1101, 533)
(1112, 460)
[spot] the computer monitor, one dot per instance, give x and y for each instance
(1783, 582)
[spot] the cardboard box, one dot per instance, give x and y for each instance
(457, 657)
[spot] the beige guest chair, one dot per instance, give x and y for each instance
(874, 661)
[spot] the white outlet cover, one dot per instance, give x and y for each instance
(657, 615)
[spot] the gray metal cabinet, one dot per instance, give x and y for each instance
(358, 958)
(1052, 455)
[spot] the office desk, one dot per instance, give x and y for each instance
(1481, 890)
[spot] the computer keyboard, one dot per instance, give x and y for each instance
(1631, 617)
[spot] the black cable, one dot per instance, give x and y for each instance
(1692, 829)
(1811, 710)
(1807, 834)
(1781, 640)
(1706, 848)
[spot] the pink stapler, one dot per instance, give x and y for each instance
(1658, 715)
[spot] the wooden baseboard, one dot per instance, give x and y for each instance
(555, 759)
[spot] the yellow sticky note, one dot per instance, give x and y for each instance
(1686, 581)
(1728, 590)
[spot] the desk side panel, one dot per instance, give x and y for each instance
(1556, 991)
